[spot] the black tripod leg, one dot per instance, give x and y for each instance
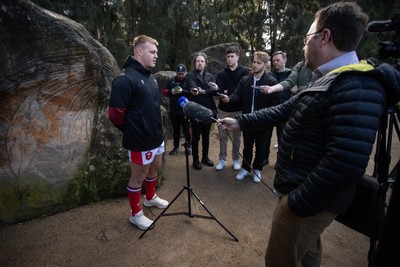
(159, 216)
(213, 217)
(190, 193)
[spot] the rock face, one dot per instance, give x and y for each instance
(216, 58)
(55, 137)
(57, 148)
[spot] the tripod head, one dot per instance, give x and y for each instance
(388, 48)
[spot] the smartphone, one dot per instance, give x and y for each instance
(211, 83)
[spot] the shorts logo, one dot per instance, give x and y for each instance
(148, 155)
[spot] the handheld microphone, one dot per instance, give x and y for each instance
(196, 111)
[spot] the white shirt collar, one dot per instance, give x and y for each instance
(340, 61)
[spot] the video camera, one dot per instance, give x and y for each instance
(388, 48)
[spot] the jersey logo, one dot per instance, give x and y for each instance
(148, 155)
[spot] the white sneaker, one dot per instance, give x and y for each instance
(221, 164)
(156, 201)
(257, 176)
(141, 221)
(242, 174)
(236, 165)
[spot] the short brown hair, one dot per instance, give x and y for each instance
(263, 56)
(280, 53)
(346, 21)
(141, 39)
(233, 49)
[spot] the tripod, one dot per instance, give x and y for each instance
(190, 193)
(384, 227)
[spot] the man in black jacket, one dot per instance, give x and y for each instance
(227, 81)
(198, 82)
(329, 134)
(250, 98)
(134, 108)
(175, 88)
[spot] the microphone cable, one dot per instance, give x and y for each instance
(273, 190)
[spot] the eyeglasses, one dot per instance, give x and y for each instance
(308, 34)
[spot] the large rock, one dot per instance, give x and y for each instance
(58, 149)
(216, 58)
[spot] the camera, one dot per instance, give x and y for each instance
(388, 48)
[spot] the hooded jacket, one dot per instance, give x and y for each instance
(227, 81)
(134, 107)
(329, 135)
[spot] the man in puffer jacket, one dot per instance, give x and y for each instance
(329, 134)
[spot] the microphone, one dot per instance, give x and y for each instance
(380, 26)
(196, 111)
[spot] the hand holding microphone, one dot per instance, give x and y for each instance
(229, 124)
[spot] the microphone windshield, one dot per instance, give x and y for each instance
(380, 26)
(196, 111)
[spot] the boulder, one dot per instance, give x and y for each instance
(216, 58)
(58, 148)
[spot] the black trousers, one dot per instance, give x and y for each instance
(203, 130)
(177, 123)
(268, 141)
(259, 138)
(279, 130)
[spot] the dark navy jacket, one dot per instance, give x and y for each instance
(193, 80)
(329, 135)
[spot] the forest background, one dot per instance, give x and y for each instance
(184, 27)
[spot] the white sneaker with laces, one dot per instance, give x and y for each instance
(236, 165)
(140, 220)
(242, 174)
(156, 201)
(221, 164)
(257, 176)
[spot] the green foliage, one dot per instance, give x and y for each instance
(184, 27)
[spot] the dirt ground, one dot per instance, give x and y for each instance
(100, 235)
